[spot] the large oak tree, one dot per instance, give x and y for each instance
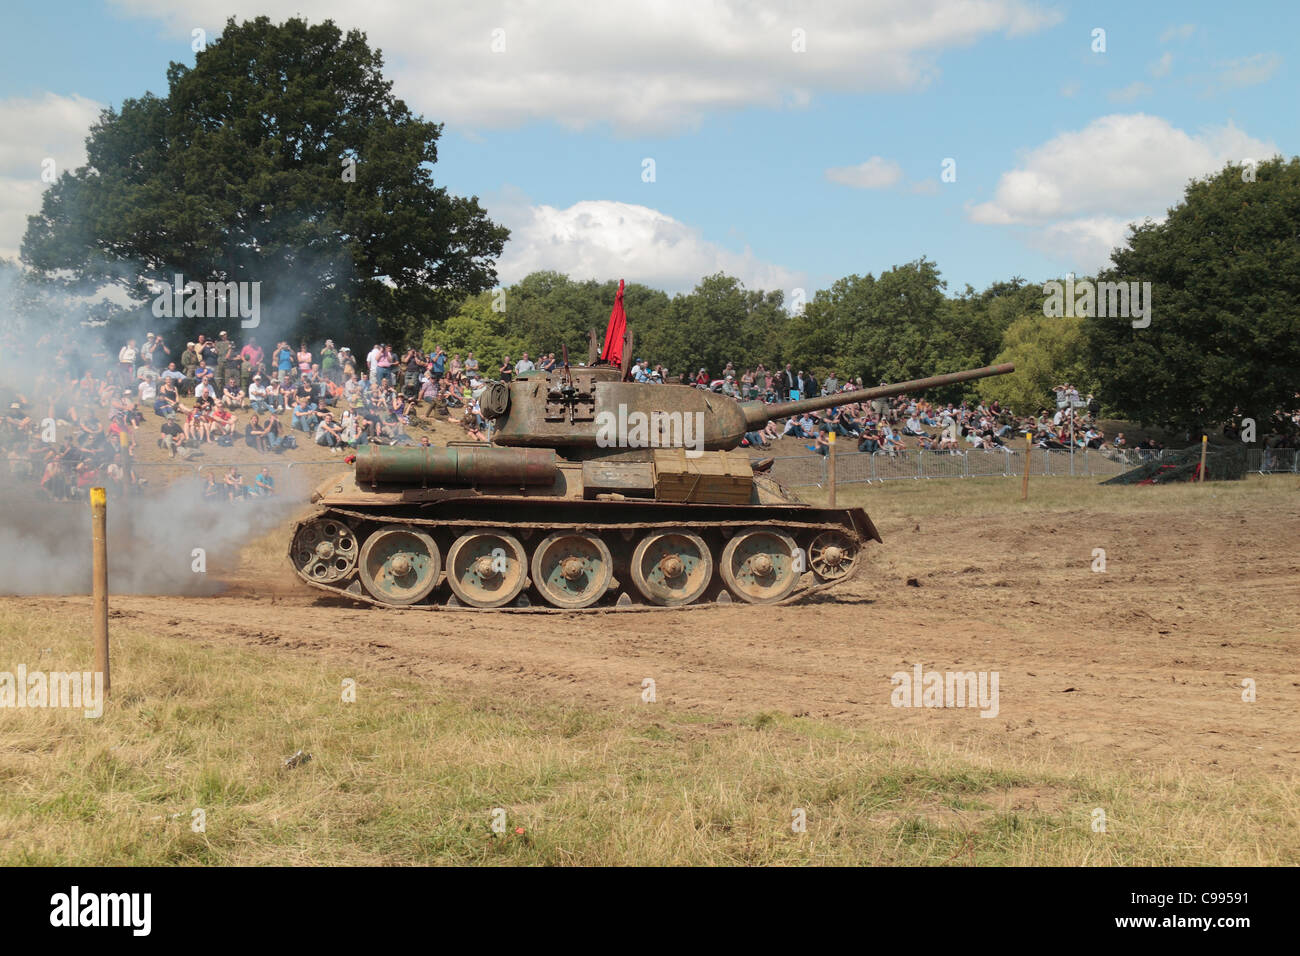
(1224, 333)
(242, 173)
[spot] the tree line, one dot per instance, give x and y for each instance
(282, 157)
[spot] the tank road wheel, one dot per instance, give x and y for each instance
(324, 550)
(759, 565)
(671, 568)
(572, 570)
(831, 555)
(487, 568)
(400, 565)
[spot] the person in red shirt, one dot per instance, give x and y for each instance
(223, 421)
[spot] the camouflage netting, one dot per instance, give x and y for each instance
(1221, 464)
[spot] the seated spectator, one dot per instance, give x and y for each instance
(304, 416)
(173, 439)
(167, 400)
(351, 433)
(197, 427)
(255, 433)
(263, 483)
(277, 438)
(257, 395)
(870, 438)
(328, 433)
(223, 424)
(232, 396)
(234, 484)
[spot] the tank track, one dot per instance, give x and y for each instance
(619, 536)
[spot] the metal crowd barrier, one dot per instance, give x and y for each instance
(805, 471)
(1273, 461)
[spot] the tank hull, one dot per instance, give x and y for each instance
(558, 548)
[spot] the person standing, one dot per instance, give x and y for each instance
(126, 360)
(384, 364)
(329, 358)
(283, 361)
(251, 354)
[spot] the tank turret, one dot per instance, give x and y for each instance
(589, 413)
(602, 494)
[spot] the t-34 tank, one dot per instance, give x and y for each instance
(597, 492)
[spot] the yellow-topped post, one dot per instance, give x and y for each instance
(1201, 477)
(1024, 482)
(99, 579)
(830, 468)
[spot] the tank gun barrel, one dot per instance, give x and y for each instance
(758, 414)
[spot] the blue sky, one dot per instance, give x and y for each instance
(1056, 146)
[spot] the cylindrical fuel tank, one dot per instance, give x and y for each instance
(455, 465)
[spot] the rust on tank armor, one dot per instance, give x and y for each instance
(555, 516)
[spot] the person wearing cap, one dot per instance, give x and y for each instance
(224, 347)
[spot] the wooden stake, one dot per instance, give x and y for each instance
(1024, 482)
(1201, 477)
(99, 580)
(830, 465)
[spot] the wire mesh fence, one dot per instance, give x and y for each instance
(1273, 461)
(803, 471)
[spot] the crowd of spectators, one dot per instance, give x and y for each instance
(216, 391)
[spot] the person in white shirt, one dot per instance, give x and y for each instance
(147, 391)
(126, 358)
(257, 395)
(524, 365)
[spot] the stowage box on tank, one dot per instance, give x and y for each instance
(596, 492)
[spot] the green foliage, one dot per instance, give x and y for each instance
(896, 327)
(1046, 352)
(1225, 331)
(239, 174)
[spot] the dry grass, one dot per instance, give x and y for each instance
(409, 774)
(967, 496)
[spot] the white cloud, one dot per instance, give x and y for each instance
(875, 173)
(1162, 66)
(640, 65)
(37, 129)
(1181, 32)
(1087, 241)
(1129, 93)
(602, 239)
(1247, 71)
(1077, 191)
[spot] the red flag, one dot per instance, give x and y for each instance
(613, 351)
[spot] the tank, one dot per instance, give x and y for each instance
(596, 493)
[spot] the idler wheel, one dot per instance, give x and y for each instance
(671, 568)
(572, 570)
(400, 565)
(760, 565)
(487, 568)
(832, 555)
(324, 550)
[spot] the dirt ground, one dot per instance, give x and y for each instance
(1142, 664)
